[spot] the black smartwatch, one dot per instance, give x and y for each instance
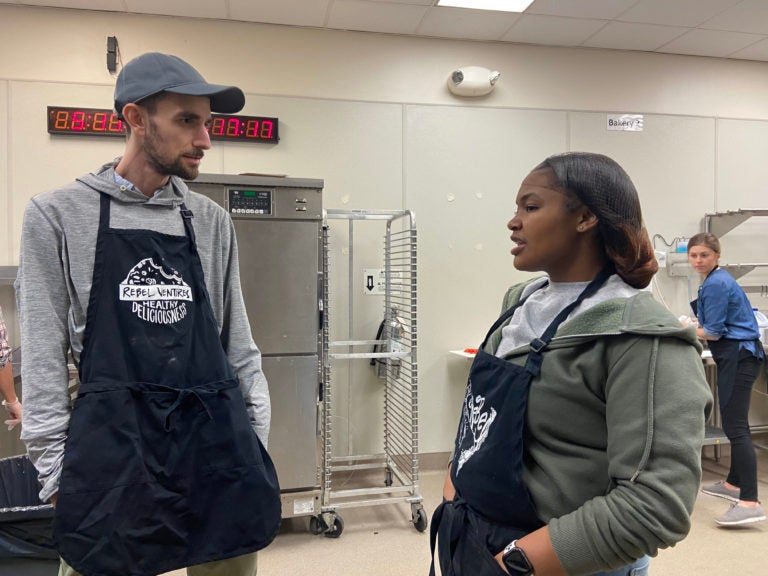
(515, 560)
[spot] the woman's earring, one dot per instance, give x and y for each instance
(581, 228)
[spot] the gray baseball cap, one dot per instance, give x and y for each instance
(153, 72)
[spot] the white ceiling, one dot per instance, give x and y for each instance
(717, 28)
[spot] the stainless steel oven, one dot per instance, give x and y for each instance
(278, 225)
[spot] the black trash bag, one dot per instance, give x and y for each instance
(26, 524)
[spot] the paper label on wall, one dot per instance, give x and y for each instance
(375, 281)
(627, 122)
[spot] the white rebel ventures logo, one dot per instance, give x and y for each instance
(156, 294)
(475, 422)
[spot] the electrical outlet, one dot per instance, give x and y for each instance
(661, 258)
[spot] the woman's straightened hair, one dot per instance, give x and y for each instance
(606, 189)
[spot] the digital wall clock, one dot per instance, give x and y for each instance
(105, 122)
(84, 121)
(248, 128)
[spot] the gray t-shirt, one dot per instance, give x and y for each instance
(532, 318)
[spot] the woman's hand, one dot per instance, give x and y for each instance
(14, 410)
(500, 560)
(449, 491)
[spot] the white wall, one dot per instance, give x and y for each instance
(371, 115)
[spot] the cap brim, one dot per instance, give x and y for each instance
(224, 99)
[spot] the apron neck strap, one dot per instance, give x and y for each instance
(187, 215)
(537, 345)
(104, 211)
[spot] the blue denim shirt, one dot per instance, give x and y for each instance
(724, 311)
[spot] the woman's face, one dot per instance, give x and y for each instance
(545, 233)
(703, 259)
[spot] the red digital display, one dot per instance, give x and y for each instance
(251, 128)
(84, 121)
(104, 122)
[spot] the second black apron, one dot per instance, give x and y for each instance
(162, 468)
(492, 506)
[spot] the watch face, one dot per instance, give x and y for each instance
(517, 563)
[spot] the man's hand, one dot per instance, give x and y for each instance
(53, 499)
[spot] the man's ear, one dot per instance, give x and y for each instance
(136, 118)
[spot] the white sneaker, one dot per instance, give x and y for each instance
(739, 515)
(720, 490)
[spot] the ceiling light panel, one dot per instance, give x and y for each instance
(497, 5)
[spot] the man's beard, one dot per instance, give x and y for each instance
(165, 166)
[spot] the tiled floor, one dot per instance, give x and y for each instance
(381, 541)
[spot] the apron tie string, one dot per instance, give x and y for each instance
(184, 393)
(454, 529)
(202, 392)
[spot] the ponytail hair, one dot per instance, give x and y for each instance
(606, 189)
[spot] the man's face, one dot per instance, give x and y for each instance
(176, 135)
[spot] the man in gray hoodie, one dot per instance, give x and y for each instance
(160, 463)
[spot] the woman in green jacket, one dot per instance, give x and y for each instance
(579, 446)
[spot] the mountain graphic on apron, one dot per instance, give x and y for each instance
(157, 293)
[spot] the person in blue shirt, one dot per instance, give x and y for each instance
(727, 323)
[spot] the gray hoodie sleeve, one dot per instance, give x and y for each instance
(237, 339)
(43, 315)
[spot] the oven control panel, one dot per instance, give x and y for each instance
(244, 201)
(257, 202)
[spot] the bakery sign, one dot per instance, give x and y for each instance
(625, 122)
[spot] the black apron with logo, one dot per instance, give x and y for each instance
(162, 468)
(492, 506)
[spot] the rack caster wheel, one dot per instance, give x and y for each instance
(388, 478)
(420, 519)
(316, 525)
(337, 528)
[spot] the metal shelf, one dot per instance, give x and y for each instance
(396, 356)
(720, 223)
(714, 436)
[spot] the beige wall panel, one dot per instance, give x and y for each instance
(463, 169)
(356, 147)
(742, 170)
(39, 161)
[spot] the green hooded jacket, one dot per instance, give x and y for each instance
(615, 426)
